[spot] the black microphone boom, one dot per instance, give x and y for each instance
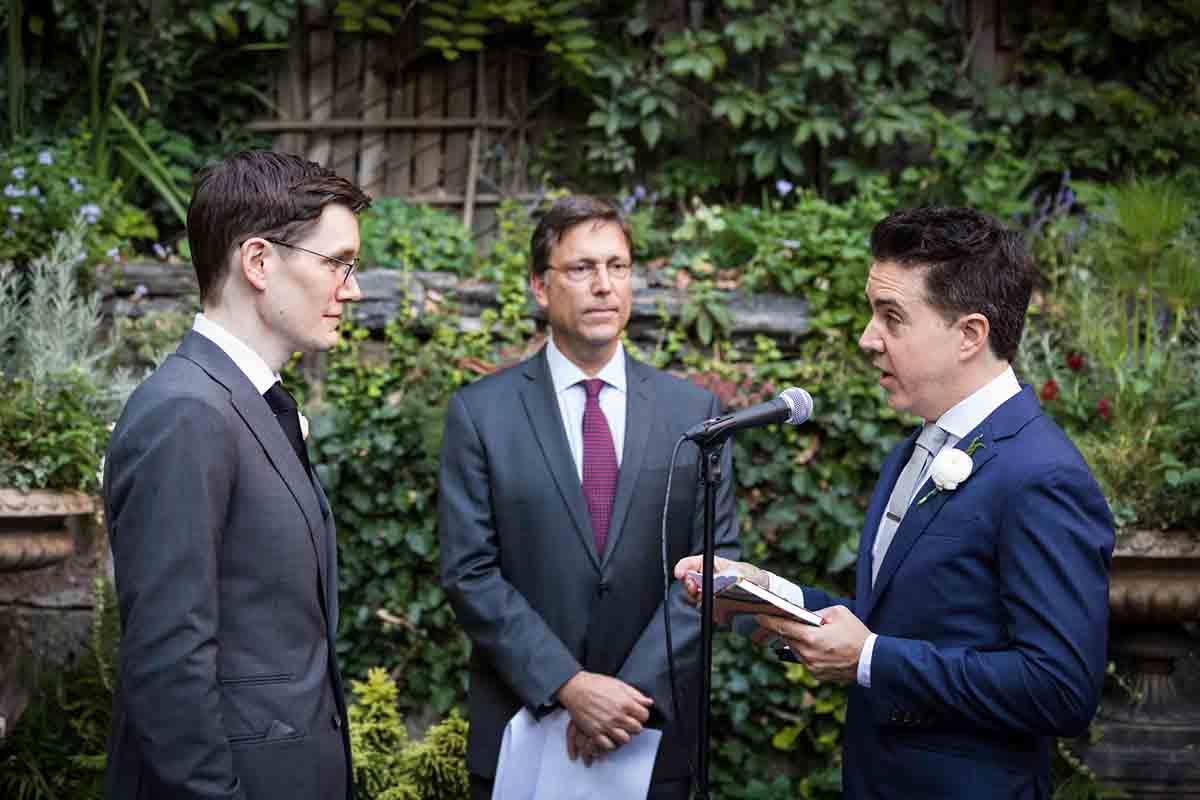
(792, 407)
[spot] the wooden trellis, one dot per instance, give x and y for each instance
(402, 122)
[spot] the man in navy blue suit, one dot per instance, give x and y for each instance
(979, 622)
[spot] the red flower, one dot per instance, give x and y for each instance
(1049, 390)
(1104, 409)
(1076, 361)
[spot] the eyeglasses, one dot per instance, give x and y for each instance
(350, 266)
(586, 271)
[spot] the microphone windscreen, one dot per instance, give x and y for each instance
(800, 402)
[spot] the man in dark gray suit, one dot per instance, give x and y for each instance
(223, 542)
(553, 476)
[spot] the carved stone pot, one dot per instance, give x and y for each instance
(49, 558)
(1150, 728)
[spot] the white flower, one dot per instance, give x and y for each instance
(950, 468)
(303, 426)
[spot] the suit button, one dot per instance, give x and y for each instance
(602, 589)
(895, 716)
(337, 721)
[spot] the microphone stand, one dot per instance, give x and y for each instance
(710, 477)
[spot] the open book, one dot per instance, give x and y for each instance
(734, 594)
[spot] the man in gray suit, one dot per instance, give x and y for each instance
(553, 476)
(222, 539)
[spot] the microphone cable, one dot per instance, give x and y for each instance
(667, 602)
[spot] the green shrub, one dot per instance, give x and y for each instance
(397, 235)
(390, 766)
(58, 395)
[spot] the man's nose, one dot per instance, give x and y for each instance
(349, 291)
(869, 340)
(601, 282)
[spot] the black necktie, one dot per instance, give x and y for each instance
(287, 414)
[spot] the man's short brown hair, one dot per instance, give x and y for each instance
(257, 193)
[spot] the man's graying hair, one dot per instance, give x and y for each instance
(973, 265)
(564, 214)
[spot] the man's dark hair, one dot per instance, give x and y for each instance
(257, 193)
(566, 213)
(974, 265)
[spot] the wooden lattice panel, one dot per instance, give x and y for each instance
(401, 121)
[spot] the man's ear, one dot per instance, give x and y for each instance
(975, 329)
(537, 283)
(251, 259)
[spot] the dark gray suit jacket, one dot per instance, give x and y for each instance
(519, 560)
(226, 568)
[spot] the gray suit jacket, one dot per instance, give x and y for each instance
(225, 560)
(519, 560)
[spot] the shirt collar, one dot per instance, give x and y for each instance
(242, 355)
(976, 407)
(565, 374)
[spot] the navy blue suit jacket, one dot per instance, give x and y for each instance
(991, 608)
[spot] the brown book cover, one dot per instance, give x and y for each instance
(734, 594)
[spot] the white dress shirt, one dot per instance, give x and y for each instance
(572, 398)
(957, 422)
(248, 361)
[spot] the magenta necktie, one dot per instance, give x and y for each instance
(599, 463)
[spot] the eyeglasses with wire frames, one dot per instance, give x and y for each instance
(586, 271)
(350, 266)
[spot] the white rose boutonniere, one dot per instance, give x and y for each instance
(950, 468)
(303, 426)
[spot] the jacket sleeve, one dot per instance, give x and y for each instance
(168, 483)
(526, 653)
(646, 666)
(1053, 555)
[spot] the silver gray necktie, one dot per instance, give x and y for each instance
(928, 444)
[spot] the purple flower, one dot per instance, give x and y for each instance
(16, 211)
(90, 213)
(784, 187)
(140, 292)
(639, 192)
(160, 251)
(35, 192)
(13, 191)
(75, 185)
(18, 173)
(45, 158)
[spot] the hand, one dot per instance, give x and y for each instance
(579, 745)
(831, 651)
(696, 564)
(607, 710)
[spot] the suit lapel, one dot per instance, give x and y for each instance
(639, 416)
(1004, 422)
(541, 406)
(255, 412)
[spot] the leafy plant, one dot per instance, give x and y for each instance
(50, 188)
(398, 235)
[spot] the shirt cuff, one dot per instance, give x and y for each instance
(864, 661)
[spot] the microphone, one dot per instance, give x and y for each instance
(792, 407)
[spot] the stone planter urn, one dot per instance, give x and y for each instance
(1150, 727)
(48, 562)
